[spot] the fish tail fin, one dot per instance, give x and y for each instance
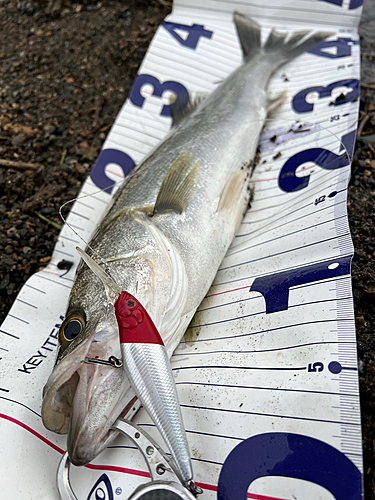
(248, 32)
(287, 47)
(283, 46)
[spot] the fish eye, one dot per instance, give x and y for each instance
(131, 303)
(71, 327)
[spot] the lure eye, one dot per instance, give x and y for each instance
(71, 328)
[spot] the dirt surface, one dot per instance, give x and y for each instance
(63, 78)
(361, 211)
(65, 72)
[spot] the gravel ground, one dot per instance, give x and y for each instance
(63, 78)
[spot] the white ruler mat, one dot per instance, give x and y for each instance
(268, 379)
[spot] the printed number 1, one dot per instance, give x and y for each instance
(194, 33)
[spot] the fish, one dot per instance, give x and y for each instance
(163, 238)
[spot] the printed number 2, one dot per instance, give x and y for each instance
(194, 33)
(98, 174)
(290, 182)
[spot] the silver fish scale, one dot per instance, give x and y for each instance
(159, 397)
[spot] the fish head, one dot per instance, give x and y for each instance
(83, 398)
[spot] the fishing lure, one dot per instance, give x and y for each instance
(148, 368)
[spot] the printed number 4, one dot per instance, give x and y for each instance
(194, 33)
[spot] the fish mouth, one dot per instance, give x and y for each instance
(84, 399)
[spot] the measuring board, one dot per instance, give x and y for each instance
(267, 372)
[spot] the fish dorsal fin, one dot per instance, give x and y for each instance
(232, 190)
(178, 185)
(111, 287)
(180, 109)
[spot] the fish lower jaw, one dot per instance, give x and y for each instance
(97, 403)
(80, 456)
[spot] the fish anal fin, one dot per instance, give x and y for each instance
(178, 185)
(180, 109)
(232, 189)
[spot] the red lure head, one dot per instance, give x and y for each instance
(135, 325)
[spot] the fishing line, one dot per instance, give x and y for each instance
(74, 231)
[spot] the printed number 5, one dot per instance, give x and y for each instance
(315, 367)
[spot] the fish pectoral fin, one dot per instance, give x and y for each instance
(180, 109)
(111, 287)
(178, 185)
(231, 192)
(276, 102)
